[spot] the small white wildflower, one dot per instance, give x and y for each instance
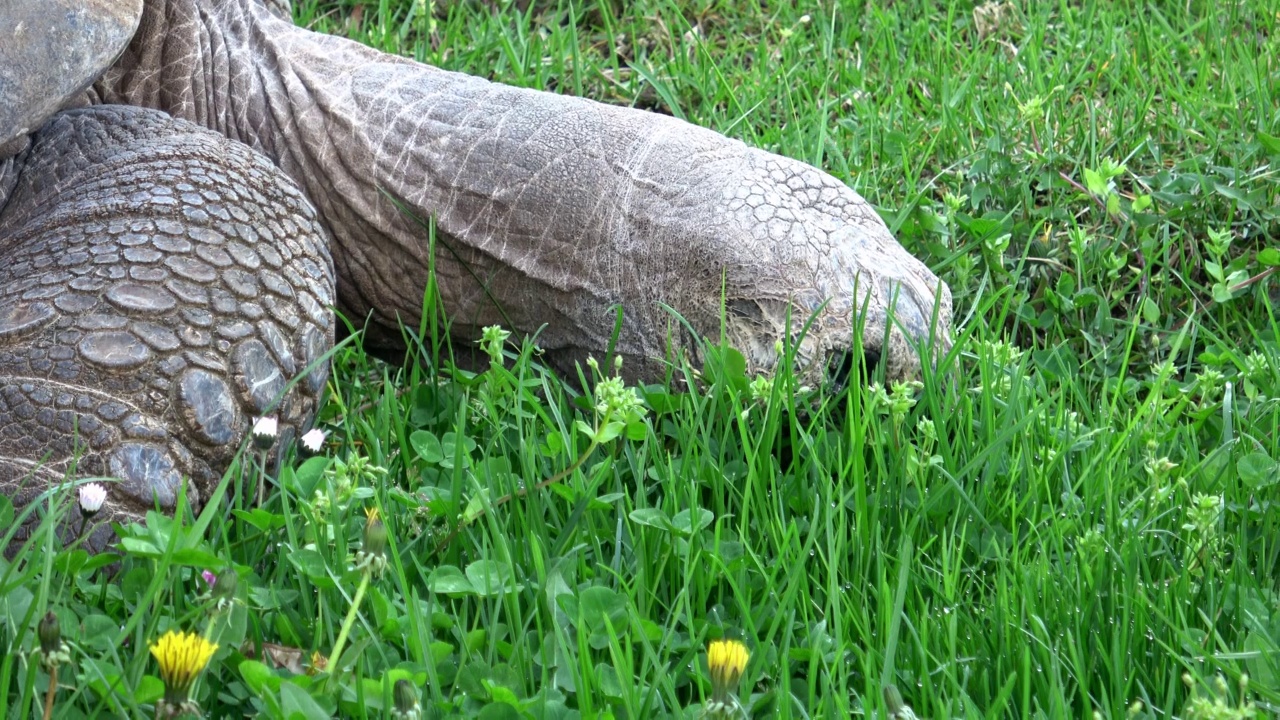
(264, 432)
(313, 441)
(91, 498)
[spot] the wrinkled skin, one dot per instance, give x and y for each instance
(177, 237)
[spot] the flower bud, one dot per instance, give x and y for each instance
(406, 701)
(50, 633)
(53, 651)
(224, 586)
(375, 534)
(372, 557)
(265, 430)
(726, 659)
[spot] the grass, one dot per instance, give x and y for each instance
(1077, 514)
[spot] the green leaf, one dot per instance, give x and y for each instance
(609, 685)
(688, 523)
(449, 580)
(261, 519)
(1264, 665)
(475, 506)
(726, 365)
(980, 228)
(99, 632)
(502, 693)
(490, 578)
(454, 448)
(661, 401)
(196, 557)
(610, 431)
(297, 704)
(259, 677)
(427, 445)
(735, 363)
(1269, 143)
(1257, 470)
(307, 476)
(311, 564)
(554, 445)
(229, 627)
(1095, 182)
(598, 603)
(474, 642)
(597, 504)
(1150, 311)
(103, 678)
(637, 430)
(1233, 194)
(1269, 257)
(140, 547)
(498, 711)
(374, 687)
(149, 690)
(652, 517)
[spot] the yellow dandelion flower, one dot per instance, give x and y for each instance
(726, 659)
(181, 657)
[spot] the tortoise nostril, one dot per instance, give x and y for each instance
(745, 309)
(841, 370)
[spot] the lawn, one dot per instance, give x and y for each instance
(1075, 514)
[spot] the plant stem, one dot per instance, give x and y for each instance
(53, 689)
(262, 475)
(346, 626)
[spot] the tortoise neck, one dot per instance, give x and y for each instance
(196, 60)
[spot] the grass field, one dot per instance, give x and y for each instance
(1077, 514)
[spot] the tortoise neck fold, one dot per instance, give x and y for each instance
(197, 60)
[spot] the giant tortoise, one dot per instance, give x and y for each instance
(189, 188)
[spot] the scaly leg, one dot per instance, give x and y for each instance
(161, 286)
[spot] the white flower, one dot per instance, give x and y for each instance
(264, 432)
(313, 441)
(91, 498)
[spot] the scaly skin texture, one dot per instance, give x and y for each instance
(161, 286)
(562, 207)
(552, 210)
